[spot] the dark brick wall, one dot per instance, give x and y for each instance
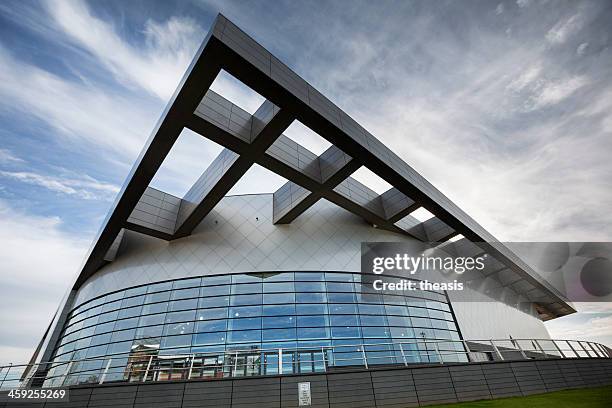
(388, 388)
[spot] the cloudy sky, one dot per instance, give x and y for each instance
(505, 107)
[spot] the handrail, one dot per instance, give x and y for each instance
(149, 366)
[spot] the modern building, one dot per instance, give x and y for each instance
(216, 287)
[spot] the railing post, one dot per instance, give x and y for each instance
(146, 373)
(103, 376)
(235, 364)
(540, 347)
(572, 347)
(280, 361)
(67, 371)
(558, 349)
(584, 348)
(323, 356)
(438, 352)
(496, 350)
(365, 358)
(518, 345)
(191, 366)
(403, 355)
(6, 374)
(467, 350)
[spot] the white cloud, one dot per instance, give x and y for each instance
(80, 112)
(156, 67)
(84, 187)
(38, 263)
(499, 9)
(582, 48)
(523, 3)
(6, 156)
(528, 77)
(564, 29)
(554, 92)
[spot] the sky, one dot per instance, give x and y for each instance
(504, 106)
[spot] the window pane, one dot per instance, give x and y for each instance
(152, 320)
(123, 335)
(278, 322)
(149, 331)
(183, 305)
(206, 314)
(246, 288)
(311, 297)
(245, 323)
(245, 311)
(244, 336)
(313, 333)
(157, 297)
(310, 309)
(176, 341)
(278, 287)
(211, 325)
(214, 290)
(154, 308)
(178, 328)
(313, 321)
(187, 283)
(239, 300)
(209, 338)
(217, 301)
(278, 334)
(180, 316)
(278, 310)
(185, 293)
(278, 298)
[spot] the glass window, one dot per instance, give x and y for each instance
(211, 326)
(278, 287)
(245, 323)
(216, 280)
(311, 297)
(159, 287)
(346, 308)
(103, 328)
(217, 301)
(278, 310)
(278, 277)
(313, 321)
(126, 324)
(116, 348)
(187, 304)
(246, 278)
(97, 351)
(341, 297)
(340, 287)
(375, 332)
(123, 335)
(338, 277)
(418, 312)
(115, 296)
(185, 316)
(310, 309)
(420, 322)
(344, 320)
(111, 306)
(152, 320)
(394, 300)
(278, 334)
(176, 341)
(209, 338)
(399, 321)
(141, 290)
(310, 276)
(401, 332)
(372, 309)
(154, 308)
(273, 298)
(244, 336)
(130, 312)
(214, 290)
(245, 311)
(373, 320)
(187, 283)
(207, 314)
(278, 322)
(310, 286)
(246, 288)
(178, 328)
(107, 317)
(157, 297)
(396, 310)
(313, 333)
(100, 339)
(185, 293)
(240, 300)
(344, 332)
(149, 331)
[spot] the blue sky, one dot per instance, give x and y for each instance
(504, 106)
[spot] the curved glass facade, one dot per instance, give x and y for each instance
(220, 317)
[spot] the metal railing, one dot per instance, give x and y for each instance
(153, 366)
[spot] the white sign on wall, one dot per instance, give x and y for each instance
(304, 398)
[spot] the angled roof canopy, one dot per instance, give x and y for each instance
(248, 139)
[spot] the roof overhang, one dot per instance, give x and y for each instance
(248, 139)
